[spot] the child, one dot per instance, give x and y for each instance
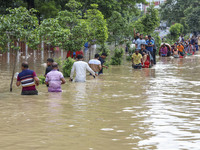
(49, 65)
(175, 53)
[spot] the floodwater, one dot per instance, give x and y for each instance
(123, 109)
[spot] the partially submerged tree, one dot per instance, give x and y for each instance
(97, 26)
(116, 24)
(78, 29)
(19, 25)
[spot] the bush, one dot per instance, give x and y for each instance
(104, 49)
(59, 61)
(117, 58)
(130, 53)
(176, 30)
(67, 66)
(42, 79)
(169, 41)
(107, 63)
(187, 36)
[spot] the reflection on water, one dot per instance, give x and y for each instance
(155, 108)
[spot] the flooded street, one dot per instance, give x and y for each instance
(123, 109)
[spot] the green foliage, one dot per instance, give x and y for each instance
(157, 39)
(130, 51)
(176, 30)
(104, 49)
(184, 12)
(97, 26)
(42, 79)
(148, 22)
(67, 66)
(19, 23)
(107, 63)
(10, 4)
(193, 18)
(71, 21)
(116, 26)
(187, 36)
(151, 20)
(59, 61)
(117, 58)
(169, 41)
(47, 9)
(52, 33)
(108, 6)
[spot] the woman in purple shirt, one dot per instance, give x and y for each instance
(54, 79)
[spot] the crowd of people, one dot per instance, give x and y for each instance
(181, 47)
(54, 78)
(144, 56)
(145, 52)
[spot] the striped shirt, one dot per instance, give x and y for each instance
(26, 77)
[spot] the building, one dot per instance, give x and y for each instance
(156, 3)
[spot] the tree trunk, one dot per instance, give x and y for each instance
(18, 54)
(30, 4)
(42, 51)
(62, 53)
(8, 53)
(26, 51)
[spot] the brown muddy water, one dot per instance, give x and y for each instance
(124, 109)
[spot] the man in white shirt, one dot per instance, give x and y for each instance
(95, 64)
(80, 68)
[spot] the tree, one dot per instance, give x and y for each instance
(97, 26)
(19, 24)
(108, 6)
(71, 20)
(117, 58)
(185, 12)
(52, 33)
(116, 27)
(192, 18)
(5, 4)
(150, 20)
(47, 9)
(176, 30)
(173, 10)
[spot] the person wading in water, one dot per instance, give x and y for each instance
(28, 79)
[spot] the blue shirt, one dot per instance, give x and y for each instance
(139, 42)
(149, 48)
